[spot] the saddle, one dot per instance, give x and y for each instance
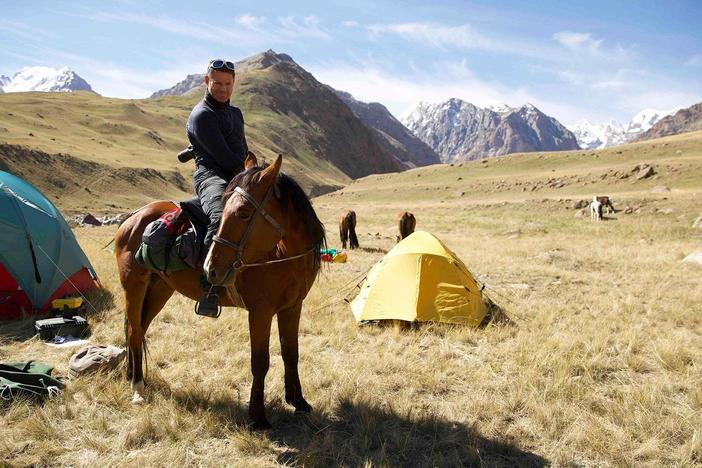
(175, 241)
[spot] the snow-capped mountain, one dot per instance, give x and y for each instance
(500, 108)
(596, 136)
(593, 136)
(459, 131)
(646, 119)
(44, 79)
(3, 81)
(684, 120)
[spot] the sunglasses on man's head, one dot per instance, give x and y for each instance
(219, 64)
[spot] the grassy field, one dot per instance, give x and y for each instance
(600, 363)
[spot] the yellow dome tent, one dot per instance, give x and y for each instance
(420, 279)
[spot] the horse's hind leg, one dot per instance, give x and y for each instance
(143, 304)
(135, 287)
(288, 327)
(342, 235)
(158, 293)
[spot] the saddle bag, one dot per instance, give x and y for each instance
(28, 379)
(169, 243)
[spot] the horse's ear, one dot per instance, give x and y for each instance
(271, 172)
(250, 161)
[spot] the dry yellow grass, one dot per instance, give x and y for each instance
(600, 366)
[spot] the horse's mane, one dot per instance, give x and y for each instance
(291, 195)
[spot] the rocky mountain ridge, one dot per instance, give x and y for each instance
(460, 131)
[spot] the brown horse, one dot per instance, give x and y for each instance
(606, 203)
(265, 254)
(347, 230)
(406, 224)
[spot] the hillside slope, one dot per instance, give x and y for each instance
(571, 175)
(286, 110)
(397, 138)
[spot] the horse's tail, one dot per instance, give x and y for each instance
(130, 367)
(123, 219)
(351, 221)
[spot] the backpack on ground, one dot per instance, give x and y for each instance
(29, 379)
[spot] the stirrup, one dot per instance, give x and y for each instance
(219, 311)
(218, 306)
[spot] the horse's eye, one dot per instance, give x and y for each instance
(243, 214)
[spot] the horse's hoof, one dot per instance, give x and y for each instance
(138, 389)
(303, 408)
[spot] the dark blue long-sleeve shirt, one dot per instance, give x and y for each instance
(216, 132)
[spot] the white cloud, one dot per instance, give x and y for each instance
(436, 35)
(309, 27)
(694, 61)
(439, 82)
(287, 28)
(193, 29)
(116, 81)
(578, 44)
(659, 99)
(24, 31)
(445, 37)
(570, 76)
(250, 21)
(609, 84)
(577, 41)
(350, 24)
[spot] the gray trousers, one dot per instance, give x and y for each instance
(209, 187)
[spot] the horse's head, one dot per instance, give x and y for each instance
(250, 221)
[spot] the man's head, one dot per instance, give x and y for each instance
(220, 79)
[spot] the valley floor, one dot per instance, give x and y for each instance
(600, 363)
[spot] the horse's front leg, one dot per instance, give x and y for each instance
(259, 331)
(288, 327)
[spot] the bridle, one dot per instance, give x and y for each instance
(238, 262)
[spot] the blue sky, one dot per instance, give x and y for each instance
(599, 60)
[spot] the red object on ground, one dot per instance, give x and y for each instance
(15, 304)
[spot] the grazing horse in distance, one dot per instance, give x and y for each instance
(595, 210)
(347, 230)
(265, 255)
(406, 224)
(606, 203)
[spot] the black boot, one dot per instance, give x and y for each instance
(208, 305)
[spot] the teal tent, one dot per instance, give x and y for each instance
(40, 259)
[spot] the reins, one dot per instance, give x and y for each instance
(280, 260)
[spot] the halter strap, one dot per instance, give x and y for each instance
(260, 209)
(224, 241)
(239, 248)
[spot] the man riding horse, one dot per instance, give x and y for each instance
(215, 130)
